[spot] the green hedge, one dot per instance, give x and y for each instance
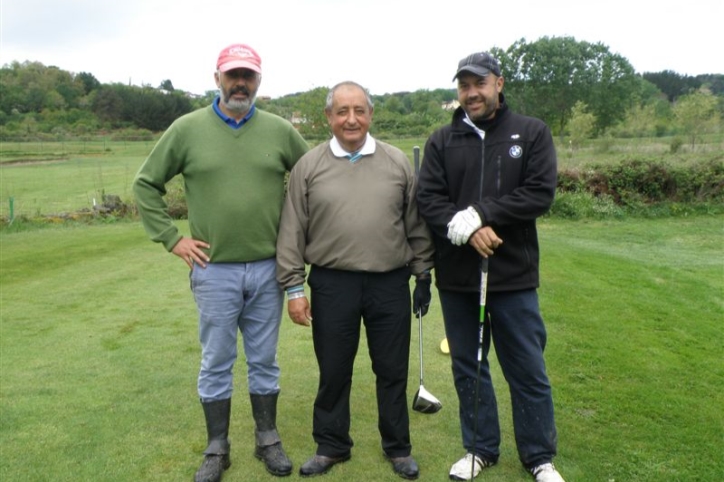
(633, 182)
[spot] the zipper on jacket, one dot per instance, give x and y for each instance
(482, 164)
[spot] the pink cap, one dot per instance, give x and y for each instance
(239, 56)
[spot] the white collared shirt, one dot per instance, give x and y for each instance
(469, 122)
(367, 149)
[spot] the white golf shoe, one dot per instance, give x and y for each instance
(546, 473)
(465, 469)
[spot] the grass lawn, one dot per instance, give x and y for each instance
(99, 356)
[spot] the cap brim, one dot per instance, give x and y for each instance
(239, 64)
(473, 69)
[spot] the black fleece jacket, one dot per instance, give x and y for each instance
(518, 186)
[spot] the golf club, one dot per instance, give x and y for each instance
(424, 401)
(483, 292)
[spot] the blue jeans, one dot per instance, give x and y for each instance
(519, 337)
(244, 297)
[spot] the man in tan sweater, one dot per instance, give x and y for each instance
(351, 214)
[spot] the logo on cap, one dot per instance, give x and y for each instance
(238, 56)
(239, 51)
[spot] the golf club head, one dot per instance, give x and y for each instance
(425, 402)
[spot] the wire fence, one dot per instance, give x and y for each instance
(60, 178)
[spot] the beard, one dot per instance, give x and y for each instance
(235, 105)
(491, 105)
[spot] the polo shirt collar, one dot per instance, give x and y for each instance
(230, 121)
(367, 149)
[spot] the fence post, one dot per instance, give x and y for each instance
(11, 210)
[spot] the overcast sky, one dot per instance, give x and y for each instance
(386, 45)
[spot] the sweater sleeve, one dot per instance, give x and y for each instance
(149, 187)
(292, 239)
(418, 234)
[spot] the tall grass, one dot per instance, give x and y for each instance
(99, 356)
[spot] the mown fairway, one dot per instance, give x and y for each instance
(99, 355)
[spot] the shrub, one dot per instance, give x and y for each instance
(704, 182)
(578, 205)
(648, 181)
(640, 184)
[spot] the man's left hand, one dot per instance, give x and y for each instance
(421, 296)
(300, 311)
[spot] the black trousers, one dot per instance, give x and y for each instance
(340, 300)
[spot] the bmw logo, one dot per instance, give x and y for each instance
(515, 152)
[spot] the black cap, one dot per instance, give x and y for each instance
(480, 64)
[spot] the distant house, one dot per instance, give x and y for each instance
(451, 105)
(298, 118)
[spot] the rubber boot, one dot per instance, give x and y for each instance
(216, 455)
(268, 444)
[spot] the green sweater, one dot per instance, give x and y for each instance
(233, 178)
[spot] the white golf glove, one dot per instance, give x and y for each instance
(463, 225)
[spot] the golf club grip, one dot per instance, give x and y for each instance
(416, 157)
(483, 286)
(483, 295)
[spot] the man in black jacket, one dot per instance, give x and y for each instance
(485, 179)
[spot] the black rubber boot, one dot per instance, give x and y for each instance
(216, 455)
(268, 444)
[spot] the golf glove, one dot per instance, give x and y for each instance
(463, 225)
(421, 296)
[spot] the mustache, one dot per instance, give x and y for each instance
(240, 89)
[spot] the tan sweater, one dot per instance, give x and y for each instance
(359, 216)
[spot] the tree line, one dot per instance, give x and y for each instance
(579, 89)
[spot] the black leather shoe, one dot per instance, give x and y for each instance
(319, 464)
(405, 467)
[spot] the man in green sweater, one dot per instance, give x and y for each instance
(233, 159)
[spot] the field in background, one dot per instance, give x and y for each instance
(99, 356)
(45, 178)
(51, 178)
